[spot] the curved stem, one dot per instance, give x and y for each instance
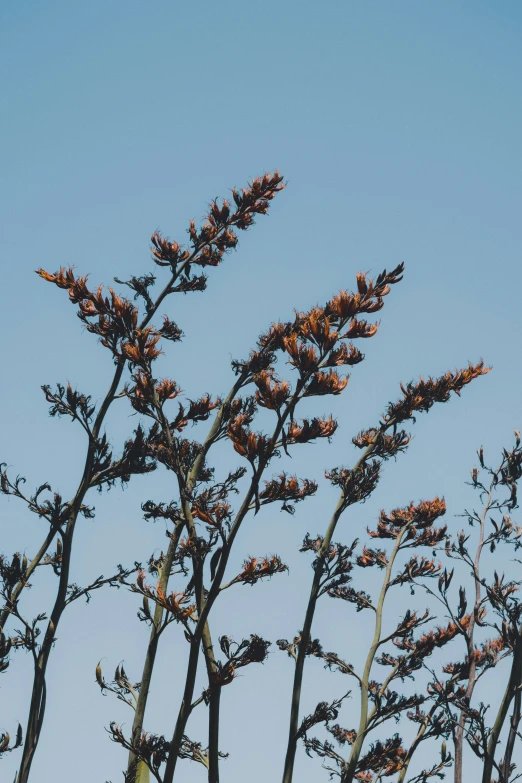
(152, 647)
(32, 566)
(303, 644)
(415, 744)
(150, 655)
(307, 626)
(202, 627)
(512, 690)
(348, 775)
(38, 697)
(513, 731)
(470, 641)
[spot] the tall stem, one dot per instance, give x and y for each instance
(37, 706)
(213, 733)
(152, 647)
(38, 697)
(512, 690)
(307, 626)
(348, 774)
(150, 655)
(415, 744)
(202, 626)
(303, 644)
(513, 731)
(32, 566)
(470, 641)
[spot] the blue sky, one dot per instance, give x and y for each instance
(398, 128)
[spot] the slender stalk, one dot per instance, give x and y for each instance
(152, 647)
(215, 587)
(35, 562)
(470, 641)
(303, 644)
(415, 744)
(513, 731)
(38, 696)
(213, 733)
(184, 711)
(512, 690)
(348, 774)
(190, 680)
(150, 655)
(307, 626)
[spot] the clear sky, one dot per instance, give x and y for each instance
(398, 127)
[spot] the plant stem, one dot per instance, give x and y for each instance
(512, 690)
(38, 697)
(213, 733)
(348, 774)
(35, 562)
(150, 655)
(202, 627)
(470, 640)
(513, 731)
(307, 626)
(415, 744)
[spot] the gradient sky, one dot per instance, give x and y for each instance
(398, 126)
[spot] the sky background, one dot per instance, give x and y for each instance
(398, 128)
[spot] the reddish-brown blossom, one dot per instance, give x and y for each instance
(303, 357)
(416, 568)
(255, 569)
(198, 410)
(421, 396)
(383, 444)
(287, 488)
(372, 557)
(177, 604)
(315, 327)
(416, 517)
(438, 637)
(357, 484)
(326, 383)
(212, 514)
(271, 393)
(310, 429)
(249, 444)
(343, 354)
(486, 656)
(117, 317)
(360, 329)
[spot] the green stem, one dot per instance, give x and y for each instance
(213, 734)
(307, 626)
(349, 773)
(415, 744)
(35, 562)
(150, 655)
(215, 587)
(303, 644)
(38, 697)
(152, 647)
(512, 736)
(513, 687)
(470, 640)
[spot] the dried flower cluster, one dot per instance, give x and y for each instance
(430, 699)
